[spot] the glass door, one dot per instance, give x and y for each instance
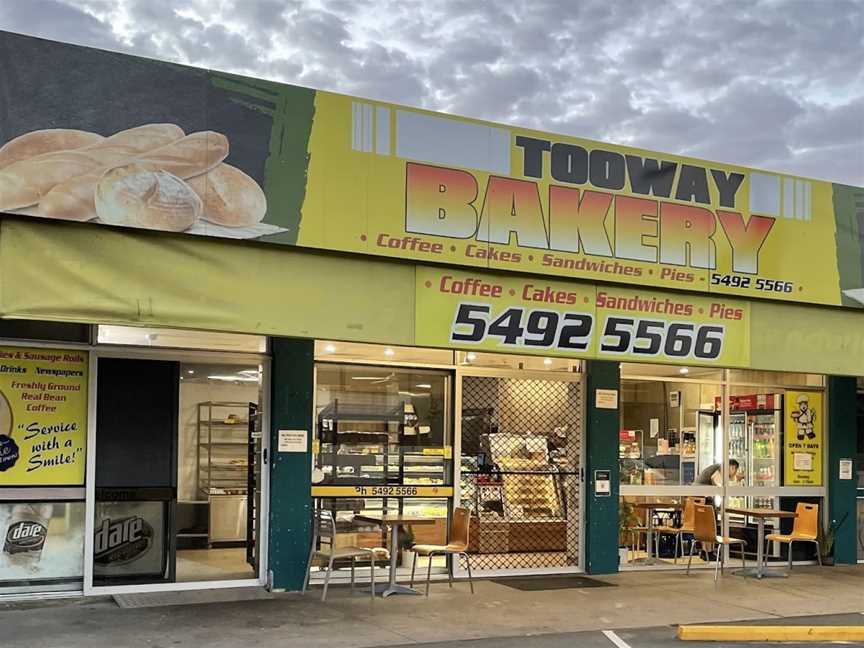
(178, 474)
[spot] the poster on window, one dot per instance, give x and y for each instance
(803, 441)
(41, 541)
(43, 416)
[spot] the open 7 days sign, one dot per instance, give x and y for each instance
(479, 311)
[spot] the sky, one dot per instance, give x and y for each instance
(774, 84)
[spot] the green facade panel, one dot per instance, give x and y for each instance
(290, 495)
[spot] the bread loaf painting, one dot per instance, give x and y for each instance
(231, 198)
(153, 176)
(190, 156)
(141, 195)
(45, 141)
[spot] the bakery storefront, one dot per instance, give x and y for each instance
(224, 301)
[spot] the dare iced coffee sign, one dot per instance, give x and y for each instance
(43, 416)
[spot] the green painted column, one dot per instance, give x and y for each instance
(842, 444)
(601, 452)
(292, 380)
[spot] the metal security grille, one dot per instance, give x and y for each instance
(520, 471)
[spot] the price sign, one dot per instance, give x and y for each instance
(530, 316)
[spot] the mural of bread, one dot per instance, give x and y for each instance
(26, 182)
(192, 155)
(40, 142)
(143, 195)
(231, 198)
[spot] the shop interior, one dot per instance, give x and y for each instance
(672, 434)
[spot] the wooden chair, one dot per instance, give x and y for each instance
(457, 545)
(685, 528)
(324, 547)
(705, 532)
(805, 528)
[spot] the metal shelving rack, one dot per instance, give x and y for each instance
(223, 467)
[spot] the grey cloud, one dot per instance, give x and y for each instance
(769, 83)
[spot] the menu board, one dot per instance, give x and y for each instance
(43, 416)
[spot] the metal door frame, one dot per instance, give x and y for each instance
(177, 355)
(519, 374)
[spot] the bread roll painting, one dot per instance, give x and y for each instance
(152, 176)
(140, 195)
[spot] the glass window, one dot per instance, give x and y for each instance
(179, 339)
(43, 546)
(382, 425)
(347, 351)
(670, 433)
(752, 377)
(777, 437)
(520, 362)
(39, 330)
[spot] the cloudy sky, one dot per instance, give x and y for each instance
(777, 84)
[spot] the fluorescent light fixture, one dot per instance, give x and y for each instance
(683, 370)
(190, 371)
(471, 357)
(547, 361)
(368, 377)
(389, 352)
(330, 348)
(423, 386)
(234, 378)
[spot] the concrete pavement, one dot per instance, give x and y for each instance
(645, 599)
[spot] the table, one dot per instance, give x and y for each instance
(394, 522)
(649, 542)
(760, 515)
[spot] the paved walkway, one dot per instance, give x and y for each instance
(640, 600)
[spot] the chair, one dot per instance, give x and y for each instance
(324, 546)
(686, 526)
(805, 528)
(705, 531)
(457, 545)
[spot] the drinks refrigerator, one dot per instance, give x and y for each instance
(755, 441)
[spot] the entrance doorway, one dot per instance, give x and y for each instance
(520, 469)
(177, 466)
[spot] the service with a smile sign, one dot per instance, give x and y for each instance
(481, 311)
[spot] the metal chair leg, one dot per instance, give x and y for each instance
(743, 564)
(308, 570)
(818, 552)
(352, 574)
(413, 568)
(716, 562)
(690, 559)
(790, 556)
(428, 573)
(448, 565)
(327, 579)
(372, 576)
(470, 577)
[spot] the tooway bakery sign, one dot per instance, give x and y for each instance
(201, 152)
(593, 219)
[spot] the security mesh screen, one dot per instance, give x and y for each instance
(520, 471)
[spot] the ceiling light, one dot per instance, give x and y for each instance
(389, 352)
(424, 386)
(471, 357)
(330, 348)
(233, 378)
(547, 361)
(190, 371)
(368, 378)
(683, 370)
